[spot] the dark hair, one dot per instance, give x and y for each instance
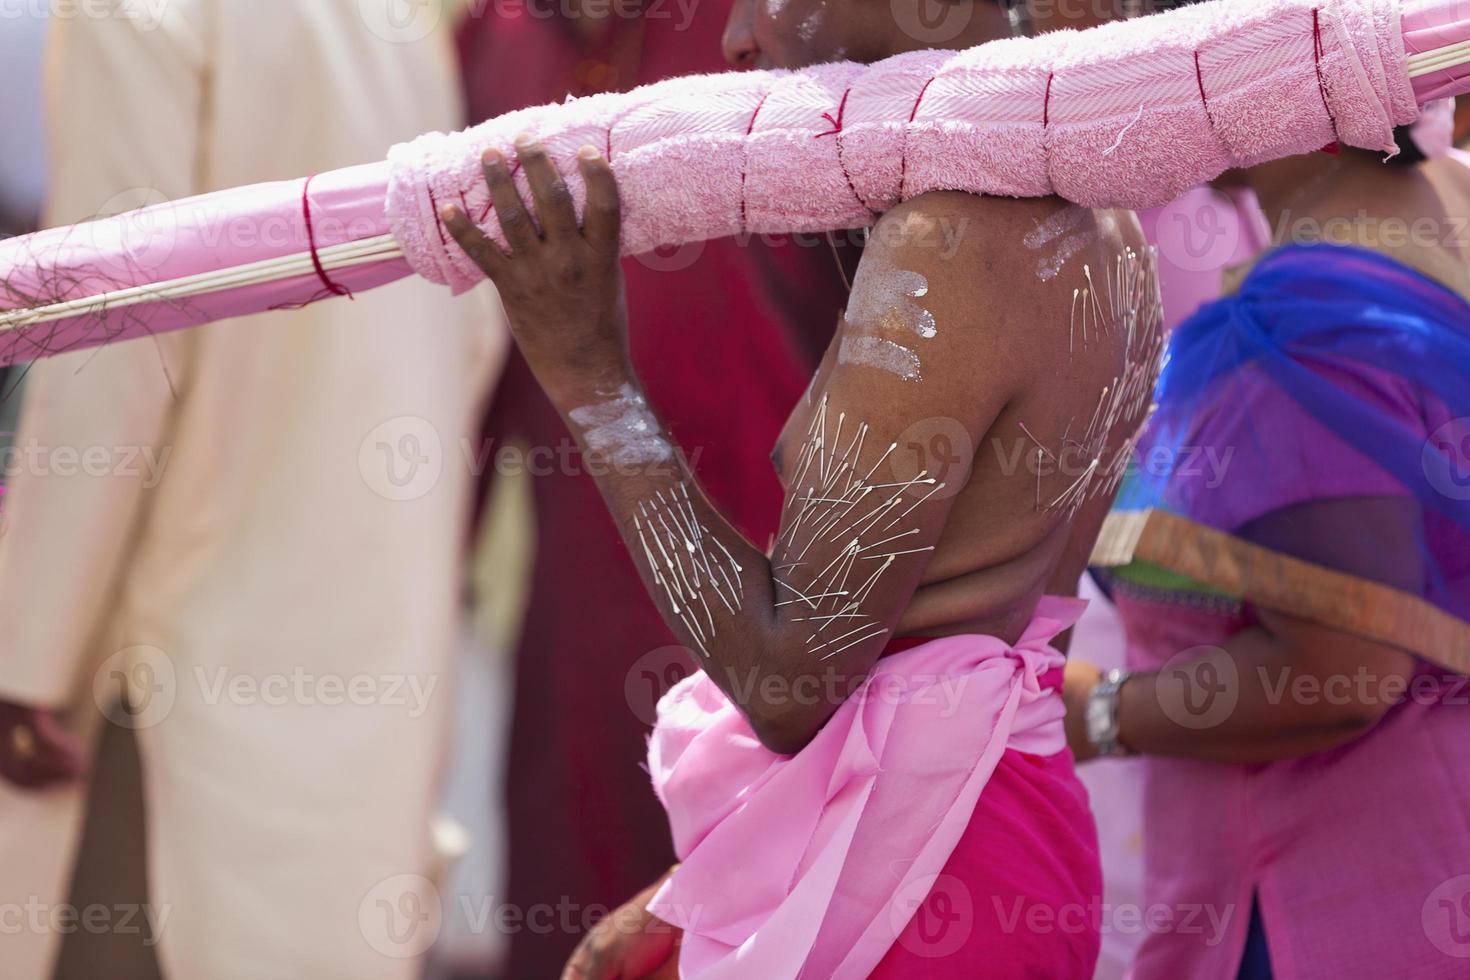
(1409, 153)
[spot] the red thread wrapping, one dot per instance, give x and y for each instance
(836, 123)
(744, 159)
(438, 221)
(1317, 52)
(1199, 76)
(1045, 123)
(903, 160)
(335, 289)
(834, 131)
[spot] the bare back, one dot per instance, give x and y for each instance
(1033, 329)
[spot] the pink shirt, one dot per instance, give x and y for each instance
(1359, 856)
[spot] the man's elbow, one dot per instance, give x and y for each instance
(782, 741)
(785, 728)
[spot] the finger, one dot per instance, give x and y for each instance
(475, 243)
(586, 961)
(603, 219)
(554, 209)
(520, 233)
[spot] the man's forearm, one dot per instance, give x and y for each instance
(714, 589)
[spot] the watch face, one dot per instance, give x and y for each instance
(1099, 720)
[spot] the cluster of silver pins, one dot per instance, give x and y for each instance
(835, 500)
(1128, 299)
(1132, 305)
(689, 563)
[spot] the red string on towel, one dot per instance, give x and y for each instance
(903, 160)
(836, 123)
(1199, 76)
(335, 289)
(836, 129)
(1317, 52)
(746, 151)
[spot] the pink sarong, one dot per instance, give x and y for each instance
(814, 865)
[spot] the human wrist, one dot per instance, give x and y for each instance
(1103, 714)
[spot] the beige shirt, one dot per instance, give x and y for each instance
(245, 496)
(268, 513)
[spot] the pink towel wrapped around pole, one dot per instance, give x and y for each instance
(811, 865)
(1128, 114)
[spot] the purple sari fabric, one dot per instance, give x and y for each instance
(1335, 374)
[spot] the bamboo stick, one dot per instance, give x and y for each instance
(344, 256)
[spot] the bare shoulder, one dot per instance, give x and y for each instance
(1000, 269)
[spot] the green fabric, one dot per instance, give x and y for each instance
(1156, 577)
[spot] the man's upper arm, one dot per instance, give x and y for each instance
(925, 346)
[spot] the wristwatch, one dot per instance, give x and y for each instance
(1102, 714)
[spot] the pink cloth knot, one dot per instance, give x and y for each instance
(795, 865)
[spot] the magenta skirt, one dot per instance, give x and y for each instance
(1021, 895)
(933, 828)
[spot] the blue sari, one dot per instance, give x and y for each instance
(1335, 375)
(1335, 372)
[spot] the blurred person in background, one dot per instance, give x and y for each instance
(1306, 798)
(585, 831)
(262, 577)
(23, 164)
